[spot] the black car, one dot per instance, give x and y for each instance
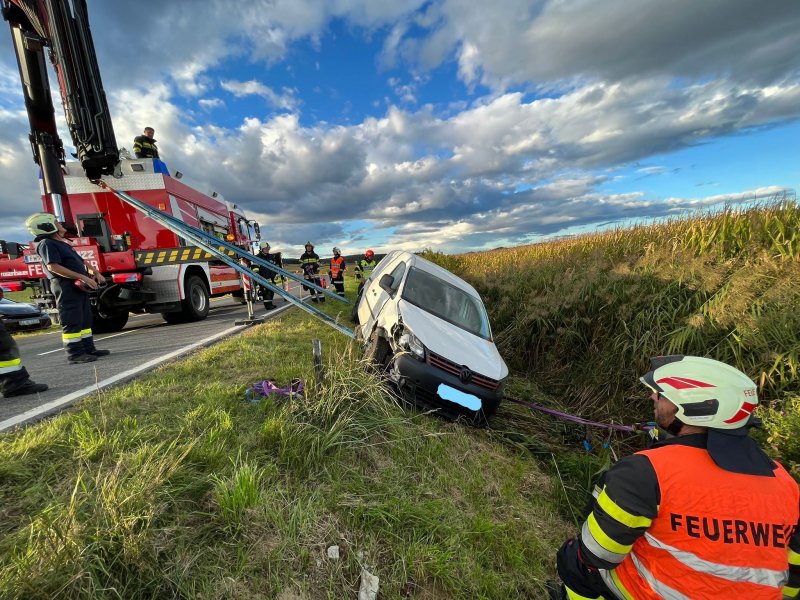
(17, 316)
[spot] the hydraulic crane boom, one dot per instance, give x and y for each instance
(63, 27)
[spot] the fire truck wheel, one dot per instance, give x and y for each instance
(109, 324)
(197, 301)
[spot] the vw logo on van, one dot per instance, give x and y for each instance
(465, 375)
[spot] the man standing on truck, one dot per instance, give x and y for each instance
(71, 280)
(309, 263)
(144, 146)
(364, 268)
(704, 514)
(336, 271)
(14, 378)
(273, 258)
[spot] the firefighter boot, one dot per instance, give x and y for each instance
(88, 347)
(18, 383)
(76, 353)
(81, 358)
(268, 297)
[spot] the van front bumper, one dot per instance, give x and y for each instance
(420, 382)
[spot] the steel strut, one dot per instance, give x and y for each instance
(212, 245)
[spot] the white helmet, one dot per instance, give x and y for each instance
(336, 250)
(708, 393)
(41, 223)
(264, 245)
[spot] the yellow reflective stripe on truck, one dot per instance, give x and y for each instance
(173, 256)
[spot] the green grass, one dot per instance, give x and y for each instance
(176, 487)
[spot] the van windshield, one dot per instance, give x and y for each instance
(447, 302)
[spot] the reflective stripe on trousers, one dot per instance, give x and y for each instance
(9, 366)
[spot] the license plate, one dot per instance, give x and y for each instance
(29, 322)
(462, 398)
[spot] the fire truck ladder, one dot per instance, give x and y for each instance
(215, 246)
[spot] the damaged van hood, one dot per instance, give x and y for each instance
(454, 343)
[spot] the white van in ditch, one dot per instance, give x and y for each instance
(429, 331)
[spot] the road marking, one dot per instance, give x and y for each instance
(64, 401)
(54, 405)
(127, 331)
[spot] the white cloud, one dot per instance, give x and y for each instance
(211, 103)
(285, 100)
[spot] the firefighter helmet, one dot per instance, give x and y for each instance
(369, 254)
(264, 246)
(309, 244)
(41, 223)
(336, 251)
(708, 393)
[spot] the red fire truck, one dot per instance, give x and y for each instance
(148, 268)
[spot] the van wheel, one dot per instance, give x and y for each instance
(377, 351)
(354, 312)
(197, 301)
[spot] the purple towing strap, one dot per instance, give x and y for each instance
(264, 388)
(580, 420)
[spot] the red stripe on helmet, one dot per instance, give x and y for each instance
(682, 383)
(744, 412)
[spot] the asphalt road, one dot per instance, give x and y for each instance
(146, 342)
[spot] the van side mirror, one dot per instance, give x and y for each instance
(386, 282)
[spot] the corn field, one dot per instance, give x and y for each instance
(582, 316)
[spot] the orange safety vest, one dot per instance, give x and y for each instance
(717, 534)
(336, 267)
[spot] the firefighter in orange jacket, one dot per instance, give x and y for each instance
(336, 272)
(704, 514)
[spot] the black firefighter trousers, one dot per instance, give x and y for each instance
(12, 373)
(75, 313)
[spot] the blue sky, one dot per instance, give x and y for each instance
(444, 123)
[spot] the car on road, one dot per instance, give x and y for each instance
(429, 332)
(18, 316)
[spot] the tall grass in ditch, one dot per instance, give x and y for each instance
(344, 410)
(581, 316)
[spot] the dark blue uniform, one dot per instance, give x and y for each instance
(309, 262)
(266, 294)
(14, 378)
(74, 308)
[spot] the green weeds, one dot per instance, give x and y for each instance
(176, 487)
